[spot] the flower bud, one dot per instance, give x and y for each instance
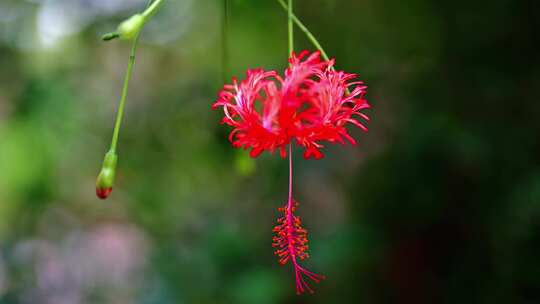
(105, 180)
(129, 28)
(110, 36)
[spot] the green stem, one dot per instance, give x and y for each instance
(290, 27)
(304, 29)
(152, 9)
(122, 104)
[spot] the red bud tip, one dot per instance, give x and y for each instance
(103, 193)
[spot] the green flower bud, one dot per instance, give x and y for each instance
(129, 28)
(110, 36)
(105, 180)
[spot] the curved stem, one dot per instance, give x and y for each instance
(304, 29)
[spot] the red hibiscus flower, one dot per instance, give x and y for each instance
(311, 105)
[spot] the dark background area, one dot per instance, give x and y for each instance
(439, 202)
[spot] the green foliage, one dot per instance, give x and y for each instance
(439, 202)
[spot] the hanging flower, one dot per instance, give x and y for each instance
(311, 105)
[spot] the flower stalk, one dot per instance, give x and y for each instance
(304, 29)
(152, 9)
(129, 29)
(290, 27)
(307, 32)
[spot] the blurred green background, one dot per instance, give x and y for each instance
(439, 202)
